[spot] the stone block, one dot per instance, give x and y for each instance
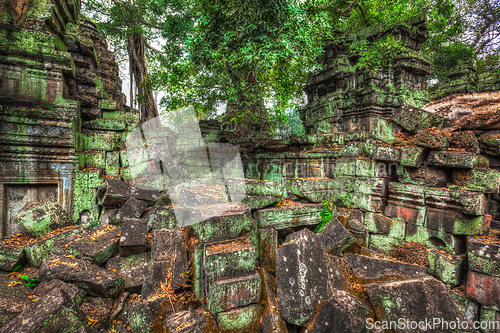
(383, 244)
(481, 180)
(240, 320)
(407, 193)
(341, 313)
(169, 251)
(229, 258)
(484, 289)
(11, 257)
(76, 294)
(338, 278)
(345, 167)
(268, 246)
(381, 224)
(423, 176)
(334, 238)
(489, 318)
(160, 217)
(40, 218)
(452, 159)
(134, 269)
(446, 267)
(96, 245)
(483, 257)
(468, 307)
(386, 153)
(411, 214)
(271, 320)
(190, 321)
(133, 236)
(132, 208)
(414, 119)
(95, 280)
(54, 312)
(225, 221)
(13, 300)
(406, 299)
(471, 203)
(453, 222)
(116, 193)
(301, 276)
(234, 292)
(465, 140)
(412, 156)
(455, 244)
(285, 217)
(431, 138)
(95, 159)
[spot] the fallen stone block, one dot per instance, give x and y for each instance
(95, 280)
(96, 245)
(11, 257)
(196, 267)
(98, 309)
(412, 156)
(414, 300)
(37, 251)
(132, 208)
(337, 274)
(414, 119)
(107, 215)
(160, 217)
(268, 246)
(465, 140)
(383, 243)
(133, 236)
(229, 258)
(454, 244)
(54, 312)
(446, 267)
(471, 203)
(301, 276)
(452, 159)
(13, 299)
(134, 269)
(41, 218)
(369, 270)
(297, 214)
(480, 180)
(424, 176)
(484, 289)
(169, 255)
(117, 192)
(234, 292)
(370, 203)
(140, 316)
(190, 321)
(225, 221)
(271, 320)
(335, 238)
(240, 320)
(453, 222)
(431, 138)
(381, 224)
(483, 256)
(467, 306)
(341, 313)
(76, 294)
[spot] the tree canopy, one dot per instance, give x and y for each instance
(254, 55)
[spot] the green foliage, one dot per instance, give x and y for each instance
(348, 195)
(326, 214)
(29, 282)
(17, 268)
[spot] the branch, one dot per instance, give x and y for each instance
(151, 25)
(152, 48)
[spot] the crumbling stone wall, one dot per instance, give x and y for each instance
(342, 98)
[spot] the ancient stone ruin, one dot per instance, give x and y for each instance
(385, 209)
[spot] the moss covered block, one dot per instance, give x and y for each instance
(345, 167)
(108, 124)
(386, 153)
(446, 267)
(412, 156)
(452, 159)
(11, 257)
(471, 203)
(483, 257)
(95, 159)
(366, 168)
(102, 140)
(439, 239)
(454, 222)
(240, 320)
(383, 243)
(285, 217)
(234, 292)
(384, 131)
(414, 119)
(377, 223)
(483, 180)
(112, 164)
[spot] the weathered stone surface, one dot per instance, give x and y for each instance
(229, 258)
(133, 236)
(196, 253)
(483, 256)
(422, 176)
(13, 300)
(76, 294)
(234, 292)
(452, 159)
(480, 180)
(465, 140)
(471, 203)
(431, 138)
(386, 153)
(457, 223)
(455, 244)
(335, 238)
(240, 320)
(97, 308)
(446, 267)
(116, 193)
(271, 320)
(383, 244)
(337, 274)
(484, 289)
(381, 224)
(191, 321)
(36, 252)
(54, 312)
(490, 319)
(11, 257)
(132, 208)
(140, 316)
(372, 269)
(285, 217)
(406, 299)
(230, 222)
(411, 214)
(341, 313)
(415, 119)
(268, 246)
(40, 218)
(95, 280)
(169, 256)
(134, 269)
(96, 245)
(412, 156)
(468, 307)
(301, 276)
(160, 217)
